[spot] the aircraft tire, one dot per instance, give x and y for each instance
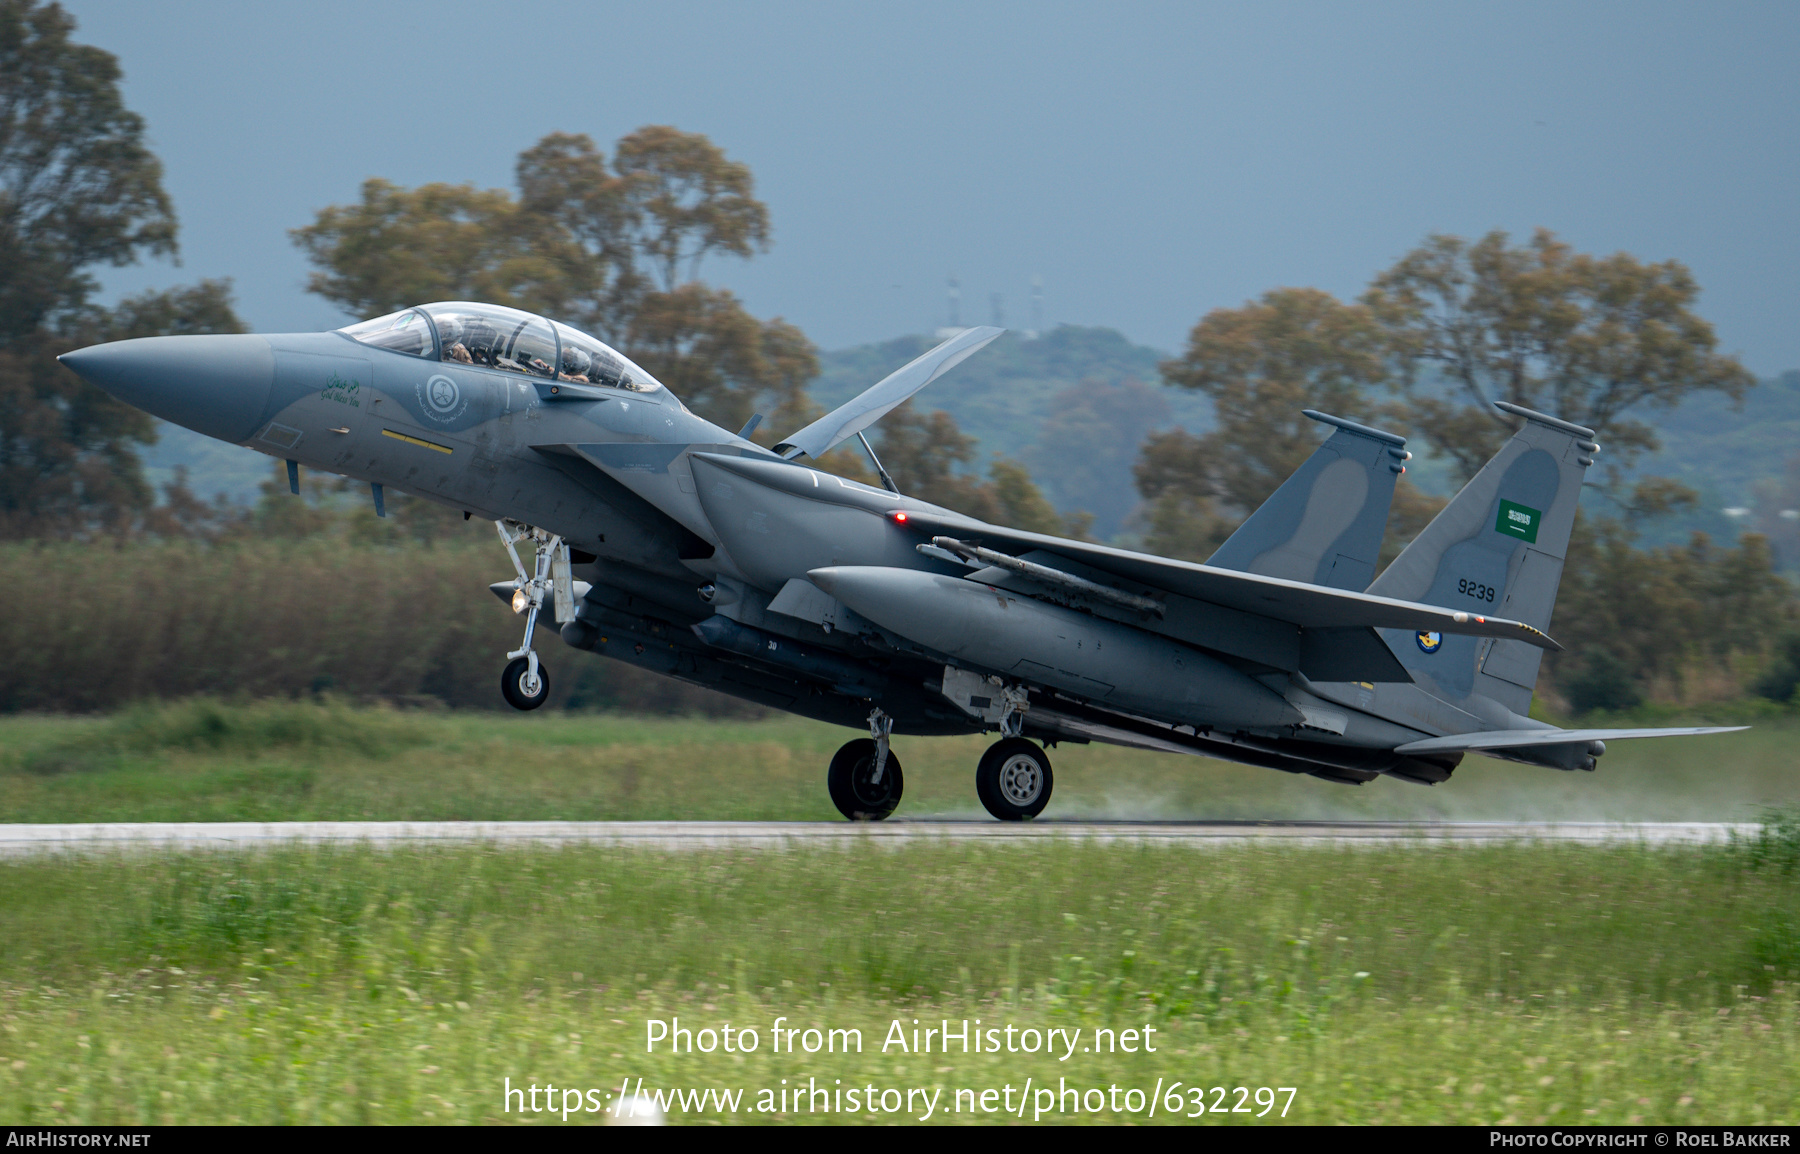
(1013, 780)
(513, 688)
(855, 796)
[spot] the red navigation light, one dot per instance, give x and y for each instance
(899, 517)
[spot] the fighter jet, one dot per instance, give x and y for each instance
(662, 540)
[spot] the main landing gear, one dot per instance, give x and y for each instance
(526, 683)
(1013, 779)
(864, 778)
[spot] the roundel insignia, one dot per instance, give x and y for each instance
(442, 394)
(1430, 642)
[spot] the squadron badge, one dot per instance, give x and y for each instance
(1430, 642)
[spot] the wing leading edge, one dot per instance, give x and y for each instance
(1503, 739)
(875, 402)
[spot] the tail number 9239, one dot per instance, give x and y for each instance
(1472, 589)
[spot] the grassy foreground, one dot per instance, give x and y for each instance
(1565, 985)
(204, 761)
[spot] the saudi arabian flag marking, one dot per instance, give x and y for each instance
(1518, 520)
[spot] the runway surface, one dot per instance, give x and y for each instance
(27, 840)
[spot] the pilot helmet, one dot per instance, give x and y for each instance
(450, 330)
(575, 361)
(481, 336)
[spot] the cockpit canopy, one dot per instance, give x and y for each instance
(496, 337)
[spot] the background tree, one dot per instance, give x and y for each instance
(1640, 622)
(601, 246)
(685, 200)
(399, 246)
(931, 459)
(1261, 364)
(78, 189)
(69, 463)
(1181, 516)
(1594, 340)
(721, 361)
(1450, 328)
(1087, 442)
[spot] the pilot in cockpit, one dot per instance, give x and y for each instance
(482, 341)
(450, 336)
(574, 366)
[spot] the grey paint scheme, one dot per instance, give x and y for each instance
(1094, 659)
(1515, 738)
(1253, 665)
(1462, 554)
(1325, 523)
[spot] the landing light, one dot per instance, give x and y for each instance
(521, 601)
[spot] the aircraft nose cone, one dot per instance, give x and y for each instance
(217, 385)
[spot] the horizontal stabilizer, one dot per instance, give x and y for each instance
(1535, 738)
(876, 402)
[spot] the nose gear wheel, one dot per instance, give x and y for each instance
(524, 687)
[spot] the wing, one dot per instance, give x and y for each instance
(874, 403)
(1295, 602)
(1537, 738)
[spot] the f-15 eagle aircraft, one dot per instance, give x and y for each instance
(662, 540)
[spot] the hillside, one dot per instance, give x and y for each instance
(1735, 458)
(213, 467)
(1725, 451)
(1073, 405)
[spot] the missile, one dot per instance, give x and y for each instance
(1086, 656)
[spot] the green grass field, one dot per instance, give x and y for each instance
(1567, 985)
(202, 761)
(1552, 983)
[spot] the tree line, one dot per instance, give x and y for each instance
(617, 244)
(1434, 340)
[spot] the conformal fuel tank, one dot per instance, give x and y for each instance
(1087, 656)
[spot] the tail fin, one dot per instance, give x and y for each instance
(1324, 525)
(1497, 548)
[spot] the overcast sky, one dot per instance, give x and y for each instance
(1148, 161)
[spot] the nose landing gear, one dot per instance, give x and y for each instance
(525, 683)
(522, 686)
(1013, 779)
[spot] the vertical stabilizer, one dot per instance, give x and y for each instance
(1497, 548)
(1324, 525)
